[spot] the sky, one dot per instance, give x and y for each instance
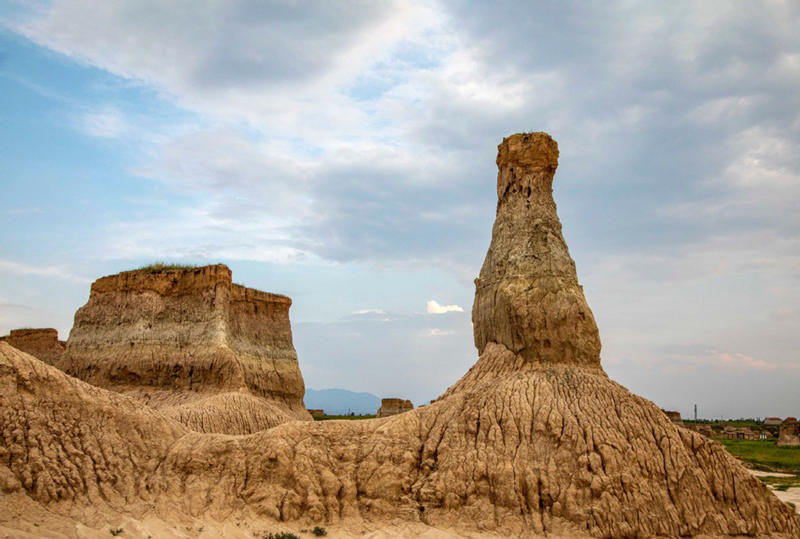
(342, 153)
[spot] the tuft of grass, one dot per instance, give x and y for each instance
(159, 267)
(115, 531)
(281, 535)
(319, 531)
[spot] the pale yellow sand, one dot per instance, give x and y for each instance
(791, 495)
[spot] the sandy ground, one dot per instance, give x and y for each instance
(157, 529)
(25, 519)
(759, 473)
(21, 518)
(791, 495)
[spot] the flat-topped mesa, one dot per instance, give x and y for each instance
(527, 297)
(175, 337)
(394, 406)
(41, 343)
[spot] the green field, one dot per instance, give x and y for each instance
(765, 455)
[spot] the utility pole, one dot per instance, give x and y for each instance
(695, 412)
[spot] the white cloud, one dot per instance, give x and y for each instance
(283, 66)
(107, 122)
(41, 271)
(25, 211)
(737, 360)
(371, 138)
(369, 311)
(433, 307)
(436, 332)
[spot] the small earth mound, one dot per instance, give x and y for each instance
(41, 343)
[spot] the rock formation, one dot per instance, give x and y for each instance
(789, 433)
(534, 439)
(674, 416)
(394, 406)
(213, 354)
(41, 343)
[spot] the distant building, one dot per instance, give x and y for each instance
(772, 421)
(742, 433)
(316, 412)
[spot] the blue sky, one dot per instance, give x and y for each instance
(343, 154)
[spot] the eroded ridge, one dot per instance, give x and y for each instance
(546, 449)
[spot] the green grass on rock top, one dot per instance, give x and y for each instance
(159, 267)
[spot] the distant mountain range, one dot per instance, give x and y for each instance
(341, 401)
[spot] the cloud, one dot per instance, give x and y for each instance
(369, 311)
(25, 211)
(41, 271)
(371, 139)
(436, 332)
(104, 123)
(378, 126)
(736, 360)
(243, 61)
(433, 307)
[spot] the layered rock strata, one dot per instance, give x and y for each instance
(213, 354)
(394, 406)
(533, 440)
(41, 343)
(527, 296)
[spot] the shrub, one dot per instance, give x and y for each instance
(158, 267)
(319, 532)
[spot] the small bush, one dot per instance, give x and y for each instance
(319, 532)
(115, 531)
(159, 267)
(281, 535)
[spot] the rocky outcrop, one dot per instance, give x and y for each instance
(674, 416)
(789, 433)
(213, 354)
(527, 296)
(42, 343)
(394, 406)
(533, 440)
